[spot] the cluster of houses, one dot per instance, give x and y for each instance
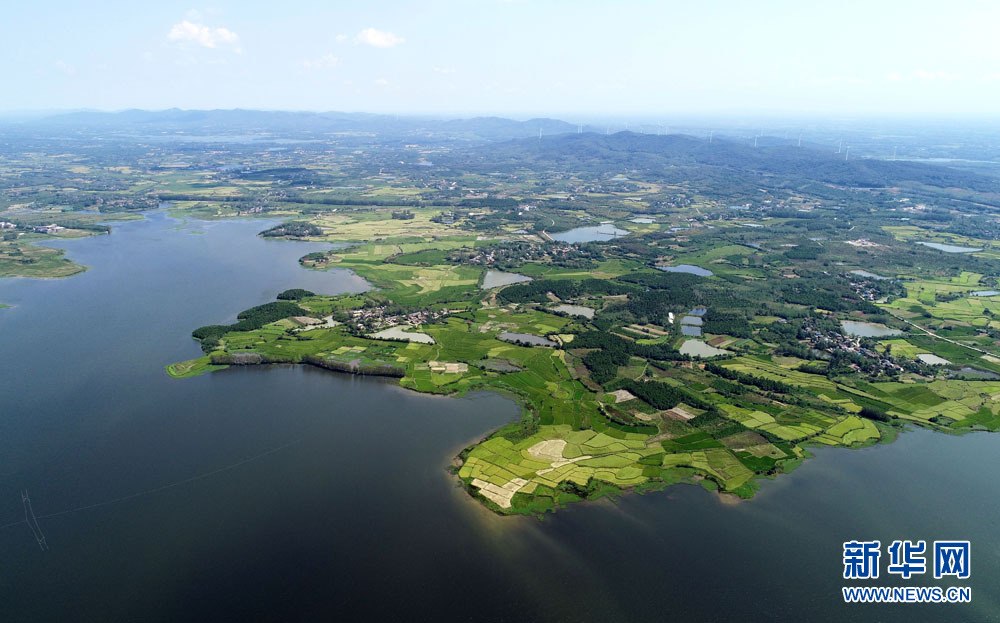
(866, 290)
(376, 318)
(47, 229)
(520, 252)
(833, 341)
(38, 229)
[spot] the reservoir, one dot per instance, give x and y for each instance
(605, 231)
(867, 329)
(525, 338)
(496, 278)
(949, 248)
(292, 493)
(697, 348)
(687, 268)
(575, 310)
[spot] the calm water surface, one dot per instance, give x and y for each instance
(687, 268)
(497, 278)
(949, 248)
(867, 329)
(294, 494)
(590, 234)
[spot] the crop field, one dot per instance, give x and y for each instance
(784, 373)
(543, 462)
(374, 226)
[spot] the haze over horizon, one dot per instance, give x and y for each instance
(511, 58)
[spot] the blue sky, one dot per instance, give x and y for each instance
(512, 57)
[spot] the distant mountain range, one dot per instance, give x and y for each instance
(541, 142)
(650, 153)
(305, 123)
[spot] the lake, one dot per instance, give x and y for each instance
(687, 268)
(496, 278)
(527, 338)
(984, 293)
(867, 329)
(401, 333)
(950, 248)
(575, 310)
(589, 234)
(697, 348)
(291, 493)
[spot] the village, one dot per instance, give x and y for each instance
(370, 319)
(835, 342)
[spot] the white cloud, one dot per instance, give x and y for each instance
(323, 62)
(341, 38)
(205, 36)
(444, 70)
(378, 38)
(382, 82)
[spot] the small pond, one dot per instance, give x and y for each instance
(687, 268)
(575, 310)
(397, 333)
(697, 348)
(867, 329)
(950, 248)
(496, 278)
(525, 338)
(589, 234)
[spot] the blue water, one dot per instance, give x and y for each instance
(294, 494)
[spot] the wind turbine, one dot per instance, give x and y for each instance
(710, 133)
(847, 153)
(894, 153)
